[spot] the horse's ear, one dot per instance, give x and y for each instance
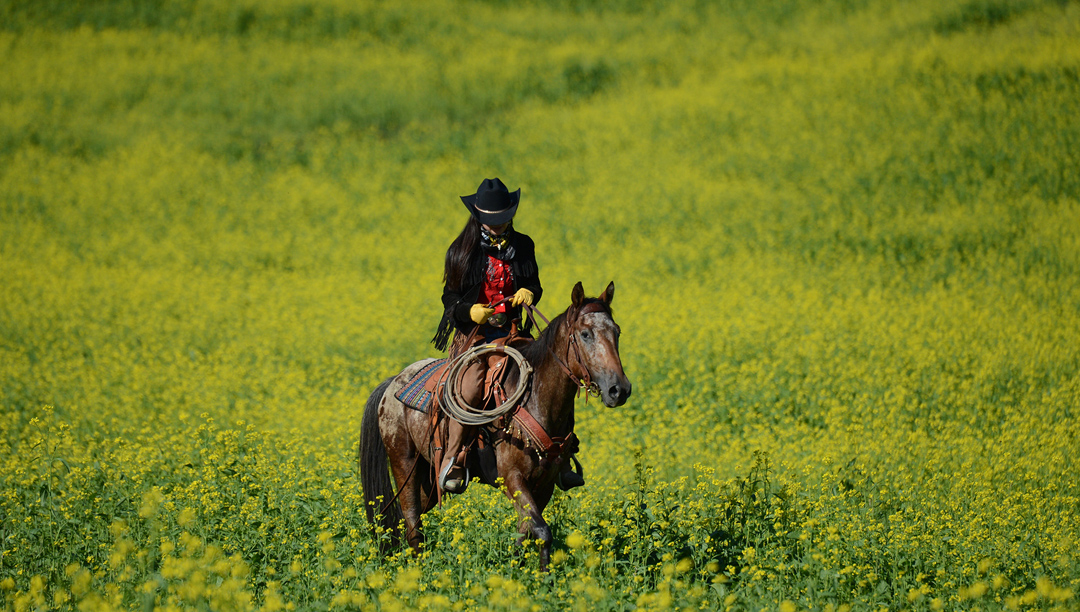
(609, 293)
(577, 296)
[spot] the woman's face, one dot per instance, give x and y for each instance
(497, 230)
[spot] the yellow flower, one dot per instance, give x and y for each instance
(974, 591)
(575, 540)
(185, 518)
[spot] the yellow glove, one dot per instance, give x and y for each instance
(480, 313)
(523, 296)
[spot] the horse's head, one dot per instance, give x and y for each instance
(596, 334)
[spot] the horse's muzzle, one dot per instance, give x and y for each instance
(616, 393)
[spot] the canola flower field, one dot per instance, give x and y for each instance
(845, 236)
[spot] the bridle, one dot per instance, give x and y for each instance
(585, 382)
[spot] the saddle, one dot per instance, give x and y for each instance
(426, 386)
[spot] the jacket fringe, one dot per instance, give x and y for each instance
(446, 329)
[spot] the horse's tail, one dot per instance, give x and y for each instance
(374, 467)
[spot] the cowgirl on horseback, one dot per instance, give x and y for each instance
(489, 263)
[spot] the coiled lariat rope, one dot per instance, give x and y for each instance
(456, 406)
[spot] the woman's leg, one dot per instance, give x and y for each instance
(452, 473)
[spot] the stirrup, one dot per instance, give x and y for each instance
(446, 472)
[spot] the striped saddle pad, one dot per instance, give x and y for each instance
(413, 393)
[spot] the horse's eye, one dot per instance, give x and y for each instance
(586, 336)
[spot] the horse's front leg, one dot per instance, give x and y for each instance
(530, 506)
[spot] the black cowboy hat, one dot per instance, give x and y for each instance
(493, 203)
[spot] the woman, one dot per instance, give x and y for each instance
(487, 263)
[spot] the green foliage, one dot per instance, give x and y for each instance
(980, 14)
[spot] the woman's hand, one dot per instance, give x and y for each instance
(523, 296)
(479, 313)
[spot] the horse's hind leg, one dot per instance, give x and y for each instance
(408, 467)
(409, 470)
(409, 498)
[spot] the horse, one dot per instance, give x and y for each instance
(579, 349)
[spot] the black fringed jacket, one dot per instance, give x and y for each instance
(458, 301)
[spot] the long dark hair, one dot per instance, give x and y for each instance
(461, 253)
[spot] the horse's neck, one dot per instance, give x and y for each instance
(553, 392)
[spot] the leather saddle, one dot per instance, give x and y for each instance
(496, 372)
(426, 386)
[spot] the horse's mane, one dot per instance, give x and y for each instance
(540, 350)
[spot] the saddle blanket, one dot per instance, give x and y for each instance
(413, 393)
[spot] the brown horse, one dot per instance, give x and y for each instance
(578, 348)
